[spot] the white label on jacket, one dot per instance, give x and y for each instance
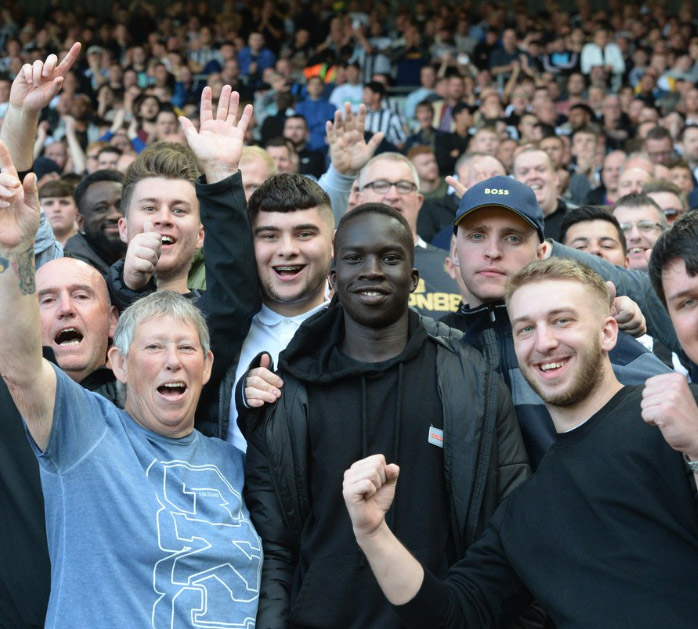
(436, 437)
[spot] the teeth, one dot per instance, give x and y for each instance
(166, 240)
(370, 293)
(636, 250)
(173, 385)
(548, 366)
(69, 336)
(292, 269)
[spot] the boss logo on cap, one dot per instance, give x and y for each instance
(496, 191)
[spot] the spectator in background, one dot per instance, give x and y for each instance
(317, 111)
(381, 119)
(255, 58)
(427, 81)
(310, 162)
(642, 222)
(352, 91)
(57, 201)
(607, 193)
(668, 197)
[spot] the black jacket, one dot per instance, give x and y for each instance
(483, 453)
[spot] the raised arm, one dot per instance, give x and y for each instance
(232, 296)
(349, 152)
(30, 379)
(33, 89)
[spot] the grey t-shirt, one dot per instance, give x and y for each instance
(143, 530)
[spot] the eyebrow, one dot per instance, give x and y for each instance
(156, 199)
(73, 287)
(682, 293)
(550, 313)
(274, 228)
(485, 228)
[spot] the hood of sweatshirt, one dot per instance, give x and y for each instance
(314, 354)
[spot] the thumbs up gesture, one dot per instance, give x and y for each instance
(142, 257)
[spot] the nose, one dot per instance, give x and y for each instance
(371, 268)
(66, 307)
(288, 246)
(493, 250)
(392, 194)
(162, 217)
(545, 339)
(172, 359)
(633, 234)
(114, 214)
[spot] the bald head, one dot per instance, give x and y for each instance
(77, 318)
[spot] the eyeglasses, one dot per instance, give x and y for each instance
(643, 226)
(672, 213)
(381, 186)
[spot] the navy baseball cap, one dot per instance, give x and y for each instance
(503, 192)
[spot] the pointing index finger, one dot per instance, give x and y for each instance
(69, 59)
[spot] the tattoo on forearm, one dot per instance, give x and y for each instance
(23, 264)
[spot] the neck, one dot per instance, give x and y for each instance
(63, 237)
(547, 211)
(374, 345)
(296, 308)
(177, 283)
(429, 186)
(569, 417)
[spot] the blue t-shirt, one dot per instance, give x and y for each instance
(143, 530)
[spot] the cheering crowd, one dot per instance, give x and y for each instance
(349, 315)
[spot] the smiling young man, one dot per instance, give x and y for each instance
(392, 179)
(673, 269)
(292, 226)
(98, 199)
(123, 481)
(499, 230)
(642, 222)
(368, 374)
(533, 167)
(611, 508)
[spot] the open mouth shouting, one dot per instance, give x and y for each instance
(172, 391)
(68, 337)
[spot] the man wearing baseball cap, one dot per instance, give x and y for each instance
(499, 230)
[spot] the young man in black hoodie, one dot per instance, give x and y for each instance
(369, 375)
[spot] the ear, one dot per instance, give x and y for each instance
(113, 320)
(208, 364)
(414, 280)
(123, 229)
(420, 197)
(118, 364)
(609, 334)
(544, 250)
(333, 279)
(200, 237)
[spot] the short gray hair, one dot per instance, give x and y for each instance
(388, 157)
(161, 303)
